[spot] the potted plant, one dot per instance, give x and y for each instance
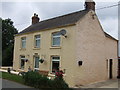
(26, 60)
(41, 60)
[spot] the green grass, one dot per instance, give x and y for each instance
(13, 77)
(0, 74)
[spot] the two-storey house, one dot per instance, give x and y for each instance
(75, 43)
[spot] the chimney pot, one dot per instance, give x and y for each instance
(35, 19)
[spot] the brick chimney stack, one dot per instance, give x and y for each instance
(89, 5)
(35, 19)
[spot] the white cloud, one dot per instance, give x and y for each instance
(58, 0)
(21, 12)
(110, 25)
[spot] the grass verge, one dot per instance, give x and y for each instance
(13, 77)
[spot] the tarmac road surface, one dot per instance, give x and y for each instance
(11, 84)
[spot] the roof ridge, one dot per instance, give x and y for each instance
(62, 16)
(63, 20)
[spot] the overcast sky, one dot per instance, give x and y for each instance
(21, 13)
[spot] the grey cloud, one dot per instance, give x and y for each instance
(56, 9)
(21, 13)
(107, 12)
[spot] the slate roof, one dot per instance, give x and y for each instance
(64, 20)
(68, 19)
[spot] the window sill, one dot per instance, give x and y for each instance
(36, 48)
(53, 75)
(20, 70)
(22, 48)
(36, 69)
(57, 47)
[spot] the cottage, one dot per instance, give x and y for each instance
(75, 43)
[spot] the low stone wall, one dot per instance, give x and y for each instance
(6, 67)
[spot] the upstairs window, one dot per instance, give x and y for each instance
(37, 41)
(56, 39)
(55, 63)
(23, 41)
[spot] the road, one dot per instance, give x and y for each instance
(107, 84)
(11, 84)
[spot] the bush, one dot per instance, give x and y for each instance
(36, 80)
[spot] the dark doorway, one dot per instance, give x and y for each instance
(118, 68)
(110, 68)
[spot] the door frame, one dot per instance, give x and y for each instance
(34, 63)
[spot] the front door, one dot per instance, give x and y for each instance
(118, 68)
(36, 63)
(110, 68)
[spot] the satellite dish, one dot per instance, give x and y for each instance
(63, 32)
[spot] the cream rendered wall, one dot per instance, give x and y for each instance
(90, 48)
(66, 51)
(85, 42)
(112, 53)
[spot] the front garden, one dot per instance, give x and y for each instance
(34, 79)
(13, 77)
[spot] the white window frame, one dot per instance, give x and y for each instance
(23, 40)
(34, 63)
(36, 41)
(54, 60)
(57, 36)
(21, 61)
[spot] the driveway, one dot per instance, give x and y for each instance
(114, 83)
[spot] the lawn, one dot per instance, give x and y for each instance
(13, 77)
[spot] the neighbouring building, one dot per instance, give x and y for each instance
(75, 43)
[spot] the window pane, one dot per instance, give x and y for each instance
(37, 41)
(56, 34)
(22, 56)
(37, 44)
(36, 62)
(22, 62)
(55, 63)
(37, 36)
(23, 40)
(56, 58)
(55, 66)
(23, 44)
(56, 41)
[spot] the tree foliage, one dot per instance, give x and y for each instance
(8, 32)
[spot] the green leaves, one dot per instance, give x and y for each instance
(8, 32)
(36, 80)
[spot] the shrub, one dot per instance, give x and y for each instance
(36, 80)
(59, 83)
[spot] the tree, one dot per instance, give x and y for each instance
(8, 32)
